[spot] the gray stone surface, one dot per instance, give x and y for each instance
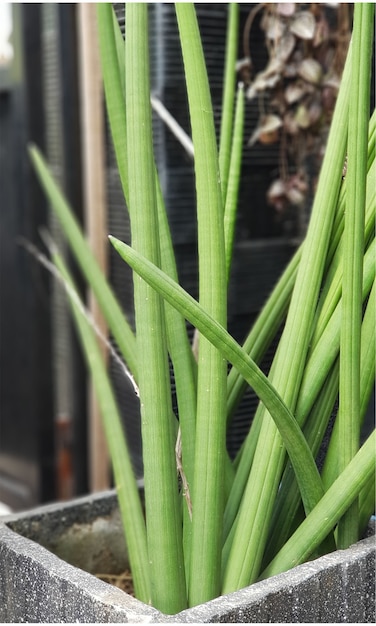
(37, 585)
(338, 587)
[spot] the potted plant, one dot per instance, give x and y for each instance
(213, 531)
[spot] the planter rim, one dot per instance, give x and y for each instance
(291, 579)
(127, 608)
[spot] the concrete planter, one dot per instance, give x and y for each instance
(44, 552)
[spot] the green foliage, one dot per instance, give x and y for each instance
(215, 525)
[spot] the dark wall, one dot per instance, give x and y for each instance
(40, 458)
(26, 434)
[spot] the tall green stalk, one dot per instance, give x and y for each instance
(114, 316)
(208, 493)
(227, 121)
(231, 204)
(254, 515)
(349, 379)
(113, 60)
(163, 513)
(185, 374)
(114, 84)
(368, 346)
(288, 496)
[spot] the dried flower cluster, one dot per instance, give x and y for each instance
(307, 45)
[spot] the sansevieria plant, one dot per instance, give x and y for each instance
(210, 524)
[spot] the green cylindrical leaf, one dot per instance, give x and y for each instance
(110, 308)
(231, 203)
(367, 368)
(113, 79)
(290, 358)
(208, 487)
(227, 121)
(349, 379)
(163, 513)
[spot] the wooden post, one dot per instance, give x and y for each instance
(94, 193)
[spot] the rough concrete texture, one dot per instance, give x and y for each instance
(36, 585)
(338, 587)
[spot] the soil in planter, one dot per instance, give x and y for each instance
(123, 581)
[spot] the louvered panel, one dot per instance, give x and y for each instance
(257, 267)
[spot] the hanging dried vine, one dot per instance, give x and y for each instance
(297, 90)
